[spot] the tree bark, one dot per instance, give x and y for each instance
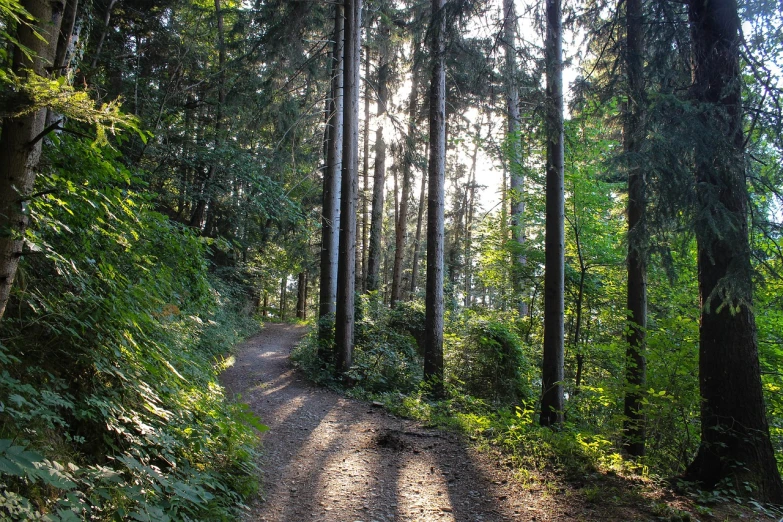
(301, 296)
(635, 362)
(554, 263)
(433, 315)
(735, 445)
(330, 219)
(20, 143)
(379, 177)
(344, 327)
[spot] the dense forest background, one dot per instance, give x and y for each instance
(587, 274)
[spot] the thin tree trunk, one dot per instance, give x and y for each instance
(20, 140)
(105, 31)
(417, 240)
(379, 178)
(283, 288)
(330, 220)
(433, 322)
(735, 444)
(579, 304)
(344, 327)
(64, 37)
(516, 181)
(554, 263)
(402, 218)
(635, 362)
(471, 208)
(366, 173)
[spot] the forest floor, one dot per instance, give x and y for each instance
(330, 458)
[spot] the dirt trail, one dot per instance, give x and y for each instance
(329, 458)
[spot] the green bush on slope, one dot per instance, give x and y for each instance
(109, 402)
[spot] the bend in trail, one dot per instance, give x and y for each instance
(330, 458)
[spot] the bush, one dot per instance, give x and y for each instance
(385, 358)
(487, 362)
(109, 402)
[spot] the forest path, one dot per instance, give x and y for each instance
(330, 458)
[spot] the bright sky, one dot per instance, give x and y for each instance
(489, 171)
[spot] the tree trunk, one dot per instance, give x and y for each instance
(469, 217)
(64, 37)
(516, 181)
(379, 178)
(402, 218)
(635, 362)
(417, 240)
(433, 322)
(20, 141)
(301, 296)
(366, 174)
(330, 220)
(554, 263)
(283, 288)
(735, 444)
(349, 184)
(102, 38)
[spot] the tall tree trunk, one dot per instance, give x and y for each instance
(407, 163)
(516, 181)
(471, 209)
(20, 141)
(635, 362)
(554, 263)
(330, 220)
(379, 178)
(366, 173)
(417, 240)
(735, 444)
(349, 184)
(433, 315)
(105, 31)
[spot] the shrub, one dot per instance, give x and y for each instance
(487, 362)
(109, 402)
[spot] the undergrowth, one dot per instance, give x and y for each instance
(110, 407)
(491, 398)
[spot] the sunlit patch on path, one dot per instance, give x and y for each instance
(331, 459)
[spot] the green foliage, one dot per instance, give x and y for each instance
(484, 359)
(109, 387)
(385, 358)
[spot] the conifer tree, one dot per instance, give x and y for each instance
(433, 315)
(735, 444)
(554, 269)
